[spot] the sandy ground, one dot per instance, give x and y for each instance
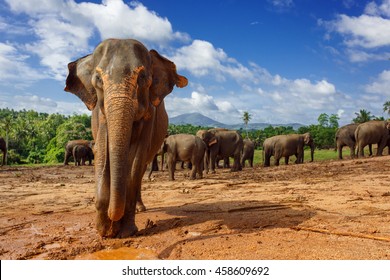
(327, 210)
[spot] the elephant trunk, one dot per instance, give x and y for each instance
(120, 122)
(119, 159)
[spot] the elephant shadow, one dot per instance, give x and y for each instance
(226, 218)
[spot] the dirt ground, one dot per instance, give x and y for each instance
(326, 210)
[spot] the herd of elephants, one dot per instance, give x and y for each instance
(124, 84)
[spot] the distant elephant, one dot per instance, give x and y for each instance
(248, 152)
(285, 146)
(71, 144)
(154, 164)
(3, 148)
(345, 136)
(81, 153)
(124, 85)
(185, 147)
(372, 132)
(223, 143)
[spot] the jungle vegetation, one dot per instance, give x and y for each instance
(35, 137)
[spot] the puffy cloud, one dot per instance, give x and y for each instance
(215, 108)
(365, 31)
(364, 36)
(201, 58)
(64, 28)
(381, 84)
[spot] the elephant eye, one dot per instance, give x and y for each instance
(97, 81)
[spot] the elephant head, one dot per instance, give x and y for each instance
(123, 83)
(308, 139)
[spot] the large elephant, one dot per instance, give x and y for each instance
(80, 142)
(124, 85)
(248, 152)
(185, 147)
(372, 132)
(223, 143)
(3, 148)
(285, 146)
(81, 153)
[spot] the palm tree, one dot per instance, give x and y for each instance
(386, 107)
(363, 116)
(246, 118)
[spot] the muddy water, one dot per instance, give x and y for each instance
(123, 253)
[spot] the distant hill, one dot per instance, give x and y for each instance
(198, 119)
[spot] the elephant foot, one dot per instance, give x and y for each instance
(127, 231)
(107, 228)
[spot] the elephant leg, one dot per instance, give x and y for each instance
(287, 158)
(171, 167)
(213, 158)
(352, 151)
(340, 151)
(277, 161)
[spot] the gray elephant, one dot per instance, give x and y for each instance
(372, 132)
(81, 153)
(248, 152)
(3, 148)
(345, 136)
(185, 147)
(285, 146)
(223, 143)
(71, 144)
(124, 84)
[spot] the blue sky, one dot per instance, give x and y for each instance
(281, 60)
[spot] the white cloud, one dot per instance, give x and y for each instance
(64, 28)
(217, 109)
(14, 66)
(201, 58)
(381, 85)
(364, 31)
(41, 104)
(364, 36)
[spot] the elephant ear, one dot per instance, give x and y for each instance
(79, 83)
(164, 78)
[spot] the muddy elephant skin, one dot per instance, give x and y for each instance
(124, 85)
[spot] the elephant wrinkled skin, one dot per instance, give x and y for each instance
(124, 85)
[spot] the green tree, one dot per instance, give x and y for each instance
(363, 116)
(386, 107)
(246, 117)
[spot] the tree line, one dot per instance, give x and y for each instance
(34, 137)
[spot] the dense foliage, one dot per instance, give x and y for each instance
(34, 137)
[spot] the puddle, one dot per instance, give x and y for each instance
(123, 253)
